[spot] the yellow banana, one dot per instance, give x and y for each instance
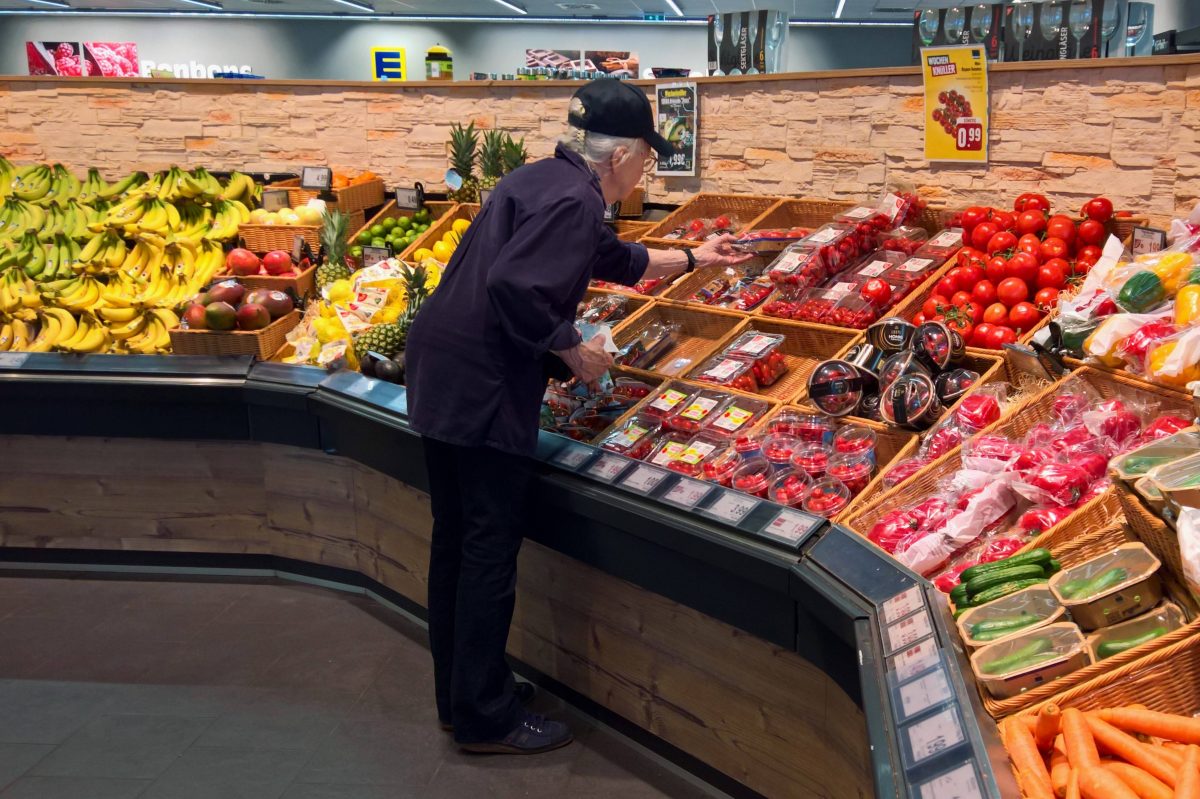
(66, 322)
(46, 335)
(131, 328)
(6, 336)
(20, 335)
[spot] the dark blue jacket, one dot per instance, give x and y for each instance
(507, 298)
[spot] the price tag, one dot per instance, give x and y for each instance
(375, 255)
(935, 734)
(687, 493)
(789, 525)
(891, 206)
(644, 479)
(316, 177)
(961, 782)
(859, 212)
(875, 268)
(410, 198)
(483, 196)
(902, 604)
(968, 134)
(608, 467)
(1148, 240)
(916, 659)
(732, 507)
(948, 238)
(13, 360)
(297, 248)
(908, 631)
(572, 457)
(274, 199)
(842, 289)
(824, 235)
(918, 264)
(923, 693)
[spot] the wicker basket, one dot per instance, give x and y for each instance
(392, 211)
(633, 206)
(684, 289)
(261, 344)
(467, 211)
(702, 332)
(630, 230)
(265, 238)
(806, 212)
(1122, 226)
(1076, 363)
(303, 284)
(1156, 534)
(358, 197)
(746, 208)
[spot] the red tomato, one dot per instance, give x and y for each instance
(1046, 299)
(996, 314)
(980, 336)
(946, 287)
(1031, 244)
(1023, 266)
(997, 268)
(954, 274)
(918, 318)
(877, 292)
(1061, 263)
(1001, 336)
(1054, 247)
(1032, 202)
(969, 255)
(1092, 232)
(960, 297)
(1005, 220)
(1061, 227)
(984, 292)
(1031, 222)
(982, 234)
(1091, 253)
(973, 216)
(1012, 290)
(972, 310)
(971, 275)
(1023, 317)
(934, 305)
(1100, 209)
(1051, 275)
(1001, 242)
(961, 325)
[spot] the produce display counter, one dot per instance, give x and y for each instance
(763, 648)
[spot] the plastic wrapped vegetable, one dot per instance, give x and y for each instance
(1187, 305)
(1134, 347)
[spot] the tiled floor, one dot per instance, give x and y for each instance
(113, 689)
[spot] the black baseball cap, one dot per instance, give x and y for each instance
(617, 108)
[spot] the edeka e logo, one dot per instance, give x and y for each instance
(387, 63)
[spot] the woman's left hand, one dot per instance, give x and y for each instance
(719, 252)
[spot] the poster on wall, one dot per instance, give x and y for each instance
(76, 59)
(111, 59)
(554, 59)
(677, 123)
(388, 63)
(54, 58)
(956, 103)
(619, 64)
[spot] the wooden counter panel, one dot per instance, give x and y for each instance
(762, 715)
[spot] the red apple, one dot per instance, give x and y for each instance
(242, 262)
(277, 262)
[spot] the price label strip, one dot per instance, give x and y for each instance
(13, 360)
(608, 467)
(644, 479)
(790, 526)
(961, 782)
(907, 632)
(919, 657)
(687, 493)
(931, 736)
(732, 507)
(924, 693)
(572, 457)
(903, 604)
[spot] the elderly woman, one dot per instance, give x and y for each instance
(477, 364)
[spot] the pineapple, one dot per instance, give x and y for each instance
(514, 153)
(389, 338)
(463, 145)
(386, 339)
(333, 239)
(416, 290)
(491, 162)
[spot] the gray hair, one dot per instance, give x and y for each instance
(596, 148)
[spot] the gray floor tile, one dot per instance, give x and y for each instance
(16, 759)
(128, 747)
(37, 711)
(74, 788)
(378, 752)
(228, 773)
(273, 720)
(315, 791)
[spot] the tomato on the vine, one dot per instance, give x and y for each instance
(1001, 242)
(1023, 266)
(961, 324)
(969, 256)
(1031, 244)
(1046, 299)
(959, 297)
(980, 336)
(1099, 209)
(1005, 220)
(971, 309)
(974, 216)
(1051, 275)
(934, 305)
(1061, 227)
(919, 318)
(1091, 254)
(982, 234)
(984, 292)
(946, 286)
(1012, 290)
(1001, 336)
(1031, 222)
(1091, 231)
(996, 314)
(1023, 317)
(1054, 247)
(1031, 202)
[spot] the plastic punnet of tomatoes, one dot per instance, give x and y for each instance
(812, 459)
(635, 438)
(789, 487)
(723, 370)
(854, 469)
(853, 311)
(778, 448)
(753, 477)
(698, 450)
(786, 302)
(608, 308)
(762, 350)
(690, 416)
(739, 416)
(853, 439)
(914, 270)
(667, 402)
(906, 239)
(718, 468)
(869, 223)
(827, 497)
(837, 245)
(817, 304)
(876, 264)
(942, 246)
(746, 294)
(798, 265)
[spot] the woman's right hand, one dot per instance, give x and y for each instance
(588, 360)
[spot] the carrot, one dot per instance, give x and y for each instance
(1077, 736)
(1150, 722)
(1096, 782)
(1031, 769)
(1047, 725)
(1060, 770)
(1188, 786)
(1072, 784)
(1172, 756)
(1143, 784)
(1131, 750)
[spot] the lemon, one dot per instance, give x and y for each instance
(442, 252)
(422, 254)
(460, 226)
(340, 290)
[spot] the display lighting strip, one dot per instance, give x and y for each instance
(675, 7)
(203, 4)
(358, 6)
(512, 7)
(51, 3)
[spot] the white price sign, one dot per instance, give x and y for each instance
(687, 493)
(607, 467)
(408, 198)
(908, 631)
(789, 525)
(923, 693)
(13, 360)
(916, 659)
(958, 783)
(732, 507)
(903, 604)
(935, 734)
(644, 479)
(572, 457)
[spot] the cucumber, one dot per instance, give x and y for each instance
(1117, 646)
(958, 593)
(1100, 583)
(998, 628)
(992, 635)
(1001, 576)
(1004, 589)
(1072, 587)
(1053, 567)
(1031, 660)
(1039, 555)
(1011, 662)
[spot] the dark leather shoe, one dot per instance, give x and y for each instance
(534, 735)
(525, 692)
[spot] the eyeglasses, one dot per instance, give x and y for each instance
(650, 164)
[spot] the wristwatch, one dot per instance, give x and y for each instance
(691, 259)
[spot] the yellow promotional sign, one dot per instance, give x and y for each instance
(387, 63)
(956, 103)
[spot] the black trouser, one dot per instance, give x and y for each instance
(478, 497)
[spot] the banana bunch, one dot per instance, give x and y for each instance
(18, 216)
(31, 183)
(195, 221)
(93, 184)
(212, 186)
(69, 219)
(104, 252)
(25, 253)
(142, 213)
(227, 215)
(7, 170)
(122, 186)
(77, 296)
(176, 185)
(15, 335)
(151, 335)
(210, 259)
(55, 326)
(64, 186)
(17, 291)
(143, 258)
(242, 188)
(62, 260)
(90, 335)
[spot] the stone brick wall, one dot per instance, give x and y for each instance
(1130, 130)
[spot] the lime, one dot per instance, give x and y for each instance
(423, 227)
(364, 238)
(356, 251)
(404, 223)
(421, 216)
(377, 231)
(378, 243)
(389, 223)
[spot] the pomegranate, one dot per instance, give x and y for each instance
(276, 302)
(242, 262)
(277, 262)
(252, 316)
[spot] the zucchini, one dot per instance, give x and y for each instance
(1039, 555)
(1001, 576)
(1119, 645)
(1026, 655)
(1004, 589)
(1100, 583)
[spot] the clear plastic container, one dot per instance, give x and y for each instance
(836, 244)
(739, 416)
(1137, 463)
(762, 350)
(748, 447)
(778, 449)
(1015, 614)
(699, 449)
(667, 402)
(906, 239)
(816, 305)
(855, 439)
(1119, 638)
(828, 497)
(723, 370)
(836, 387)
(789, 487)
(667, 448)
(877, 264)
(942, 246)
(875, 219)
(786, 302)
(855, 312)
(700, 408)
(1111, 588)
(606, 308)
(633, 439)
(648, 346)
(798, 266)
(854, 469)
(914, 270)
(1025, 661)
(720, 467)
(753, 477)
(746, 294)
(812, 459)
(809, 427)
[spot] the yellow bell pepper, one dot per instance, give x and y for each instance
(1158, 357)
(1108, 358)
(1187, 305)
(1171, 269)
